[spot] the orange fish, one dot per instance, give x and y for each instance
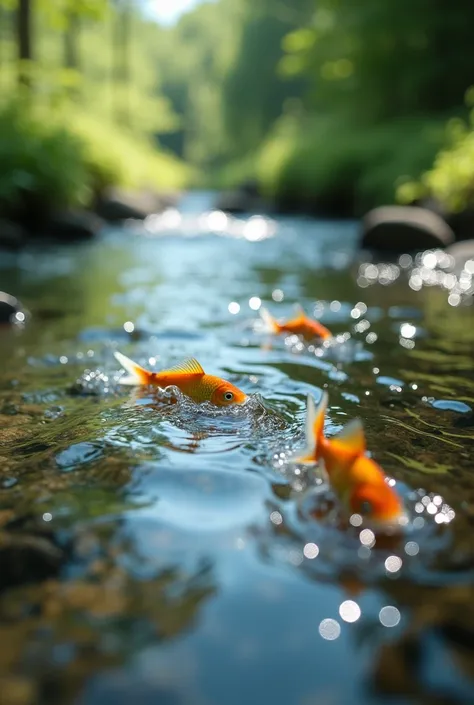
(301, 324)
(357, 480)
(189, 377)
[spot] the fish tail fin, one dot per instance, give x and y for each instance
(136, 374)
(270, 323)
(314, 429)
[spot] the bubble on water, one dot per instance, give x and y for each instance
(129, 327)
(234, 307)
(329, 629)
(389, 616)
(47, 516)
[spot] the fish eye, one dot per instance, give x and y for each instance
(366, 507)
(228, 396)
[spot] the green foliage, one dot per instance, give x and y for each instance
(38, 160)
(327, 164)
(116, 156)
(451, 179)
(66, 159)
(330, 104)
(92, 113)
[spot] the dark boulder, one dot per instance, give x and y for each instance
(462, 224)
(399, 229)
(245, 198)
(70, 226)
(10, 307)
(116, 204)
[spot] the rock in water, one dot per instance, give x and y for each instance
(462, 252)
(11, 310)
(399, 229)
(69, 226)
(116, 204)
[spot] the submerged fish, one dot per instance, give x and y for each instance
(189, 377)
(358, 481)
(301, 324)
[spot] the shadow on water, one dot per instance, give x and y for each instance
(155, 549)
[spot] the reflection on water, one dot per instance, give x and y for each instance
(166, 551)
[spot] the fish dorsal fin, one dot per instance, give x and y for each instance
(299, 311)
(314, 427)
(315, 419)
(188, 367)
(299, 317)
(352, 437)
(271, 324)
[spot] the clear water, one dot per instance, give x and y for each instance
(157, 550)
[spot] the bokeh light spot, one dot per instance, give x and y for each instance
(389, 616)
(349, 611)
(329, 629)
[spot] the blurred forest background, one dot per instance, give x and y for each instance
(329, 106)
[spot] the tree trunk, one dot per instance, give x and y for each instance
(25, 51)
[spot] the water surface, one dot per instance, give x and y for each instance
(157, 550)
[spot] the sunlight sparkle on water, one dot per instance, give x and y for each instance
(393, 564)
(128, 327)
(255, 303)
(407, 330)
(234, 307)
(217, 220)
(329, 629)
(349, 611)
(367, 538)
(311, 550)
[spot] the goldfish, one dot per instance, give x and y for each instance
(357, 480)
(189, 377)
(301, 324)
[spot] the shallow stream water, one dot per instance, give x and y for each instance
(157, 551)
